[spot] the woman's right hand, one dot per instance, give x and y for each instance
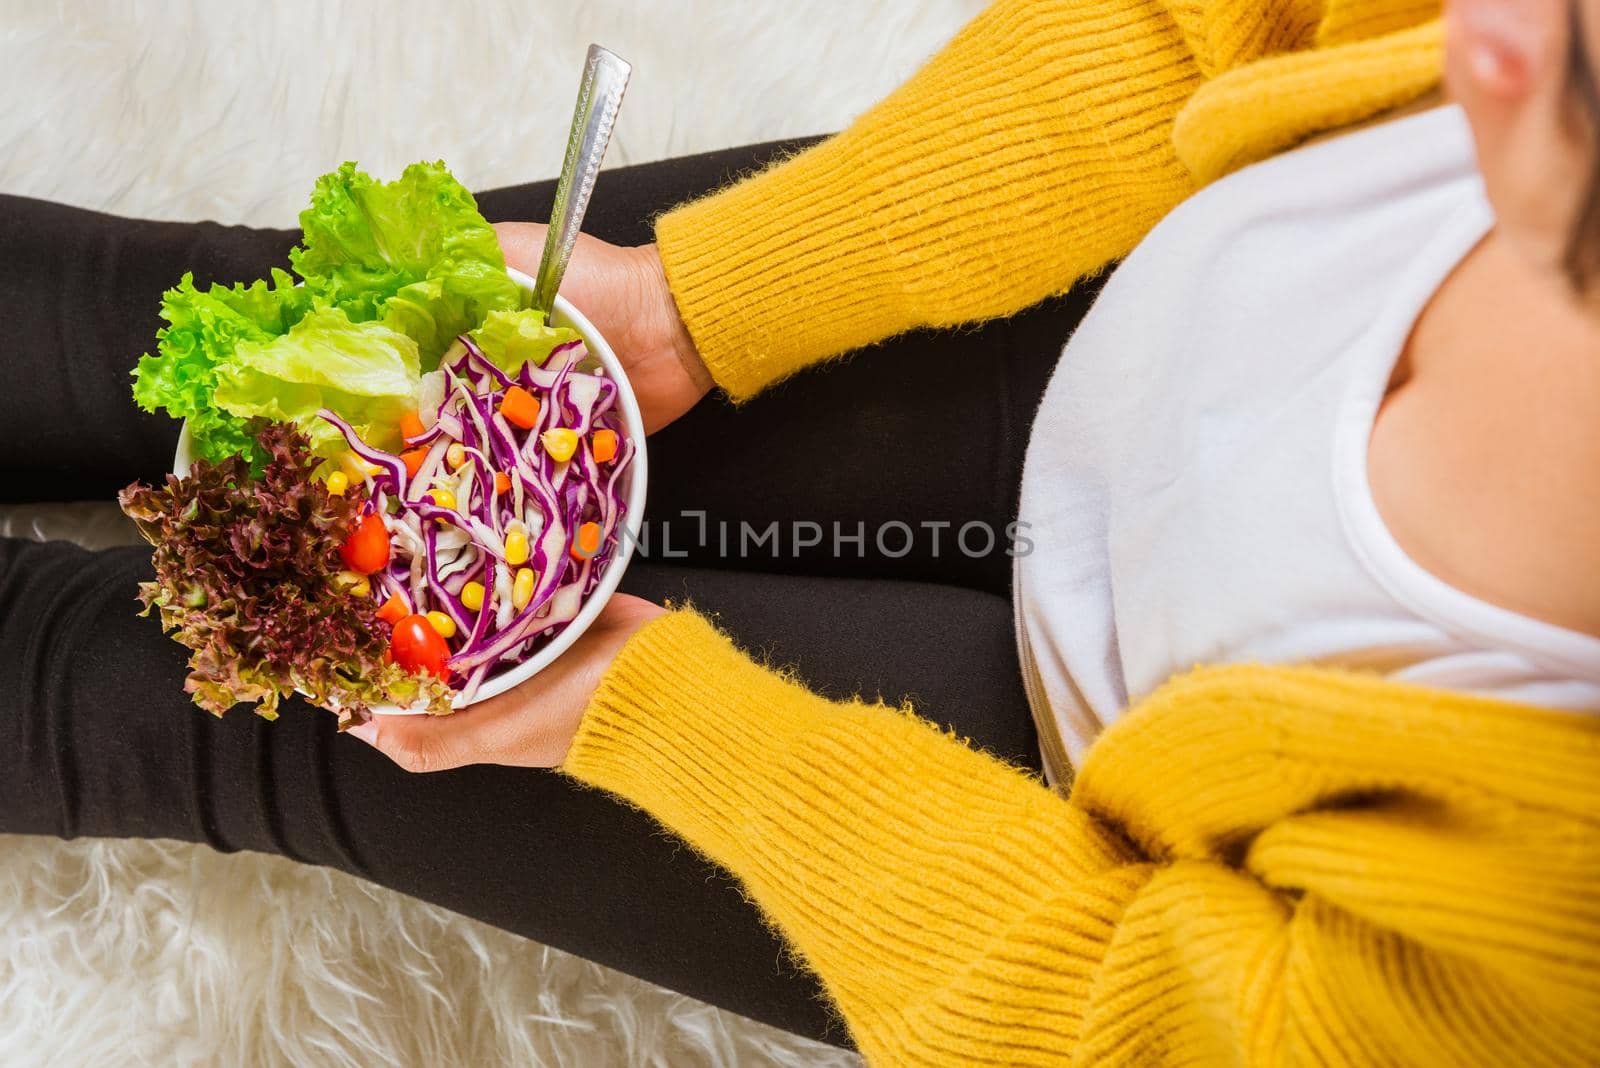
(623, 291)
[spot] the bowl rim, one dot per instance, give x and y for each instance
(564, 314)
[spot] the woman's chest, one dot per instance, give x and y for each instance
(1484, 459)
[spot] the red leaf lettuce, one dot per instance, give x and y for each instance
(247, 577)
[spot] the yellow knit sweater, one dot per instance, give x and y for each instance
(1256, 865)
(1044, 141)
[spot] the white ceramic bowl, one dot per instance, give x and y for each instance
(633, 492)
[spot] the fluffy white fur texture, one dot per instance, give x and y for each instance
(136, 953)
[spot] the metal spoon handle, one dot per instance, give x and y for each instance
(605, 77)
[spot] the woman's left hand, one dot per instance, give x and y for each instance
(530, 726)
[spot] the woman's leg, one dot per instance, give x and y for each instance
(97, 738)
(871, 467)
(82, 293)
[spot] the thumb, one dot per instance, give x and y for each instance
(522, 244)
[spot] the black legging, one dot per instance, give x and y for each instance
(98, 738)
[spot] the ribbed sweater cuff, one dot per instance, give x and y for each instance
(780, 269)
(687, 728)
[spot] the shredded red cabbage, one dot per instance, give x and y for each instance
(438, 548)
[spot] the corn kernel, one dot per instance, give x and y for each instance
(443, 498)
(338, 482)
(560, 443)
(442, 623)
(354, 583)
(522, 588)
(516, 548)
(455, 455)
(356, 468)
(472, 596)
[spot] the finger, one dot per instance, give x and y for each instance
(522, 244)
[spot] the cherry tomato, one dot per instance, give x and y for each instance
(418, 648)
(367, 548)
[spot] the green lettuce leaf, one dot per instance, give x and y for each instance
(366, 372)
(414, 253)
(203, 328)
(513, 338)
(413, 258)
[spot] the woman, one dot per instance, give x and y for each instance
(1289, 433)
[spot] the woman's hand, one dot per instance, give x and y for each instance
(623, 291)
(531, 726)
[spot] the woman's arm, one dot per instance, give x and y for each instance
(1258, 865)
(1030, 151)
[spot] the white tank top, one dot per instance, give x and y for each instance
(1196, 486)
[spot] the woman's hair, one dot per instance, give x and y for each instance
(1582, 258)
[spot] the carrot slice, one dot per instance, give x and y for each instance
(413, 459)
(394, 609)
(411, 425)
(587, 543)
(502, 481)
(604, 446)
(520, 408)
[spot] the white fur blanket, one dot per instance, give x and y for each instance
(137, 953)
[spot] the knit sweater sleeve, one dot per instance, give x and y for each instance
(1029, 152)
(1258, 866)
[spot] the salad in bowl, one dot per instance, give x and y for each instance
(397, 487)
